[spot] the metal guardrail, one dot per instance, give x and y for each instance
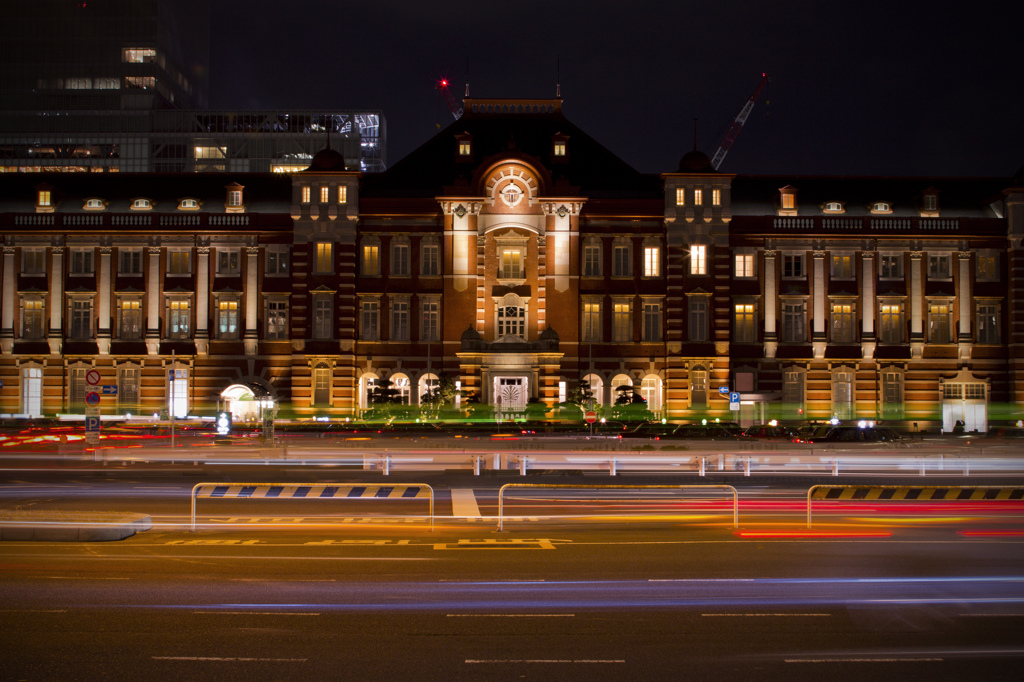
(298, 491)
(869, 493)
(501, 494)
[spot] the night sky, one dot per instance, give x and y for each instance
(863, 87)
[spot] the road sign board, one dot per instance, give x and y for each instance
(92, 424)
(723, 389)
(735, 407)
(734, 397)
(590, 416)
(92, 398)
(109, 389)
(93, 377)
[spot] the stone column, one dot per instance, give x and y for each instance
(153, 302)
(103, 328)
(7, 315)
(202, 300)
(916, 306)
(771, 337)
(867, 304)
(965, 305)
(56, 333)
(252, 333)
(819, 337)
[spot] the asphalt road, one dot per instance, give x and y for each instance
(656, 589)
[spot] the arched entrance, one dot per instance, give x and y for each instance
(246, 403)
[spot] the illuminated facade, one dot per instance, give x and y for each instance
(517, 255)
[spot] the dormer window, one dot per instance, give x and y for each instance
(465, 148)
(305, 194)
(834, 207)
(44, 197)
(234, 200)
(325, 194)
(343, 194)
(930, 203)
(881, 207)
(559, 146)
(787, 201)
(94, 205)
(235, 197)
(188, 205)
(141, 204)
(464, 144)
(559, 149)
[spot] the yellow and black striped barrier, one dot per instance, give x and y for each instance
(312, 491)
(962, 493)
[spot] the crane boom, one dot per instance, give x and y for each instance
(737, 125)
(449, 98)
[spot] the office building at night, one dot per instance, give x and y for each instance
(515, 254)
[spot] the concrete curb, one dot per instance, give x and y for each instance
(57, 526)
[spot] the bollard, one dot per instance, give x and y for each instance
(476, 465)
(746, 466)
(702, 465)
(835, 467)
(721, 462)
(612, 466)
(967, 467)
(522, 466)
(387, 465)
(922, 466)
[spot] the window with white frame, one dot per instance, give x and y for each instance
(33, 261)
(622, 320)
(129, 261)
(321, 385)
(430, 320)
(652, 261)
(188, 204)
(430, 259)
(370, 262)
(369, 319)
(141, 205)
(227, 319)
(228, 262)
(591, 321)
(234, 197)
(622, 260)
(130, 311)
(842, 395)
(842, 322)
(306, 194)
(938, 323)
(697, 319)
(680, 196)
(278, 261)
(842, 266)
(400, 319)
(881, 207)
(652, 321)
(128, 380)
(716, 197)
(325, 194)
(939, 266)
(400, 259)
(343, 194)
(81, 261)
(892, 393)
(834, 207)
(323, 317)
(931, 202)
(592, 259)
(793, 388)
(511, 317)
(43, 198)
(744, 329)
(277, 318)
(179, 261)
(890, 322)
(32, 318)
(81, 318)
(890, 266)
(698, 259)
(32, 391)
(794, 321)
(179, 319)
(511, 265)
(323, 258)
(77, 388)
(744, 265)
(793, 265)
(987, 322)
(177, 392)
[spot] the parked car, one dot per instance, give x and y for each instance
(769, 432)
(856, 434)
(704, 432)
(1005, 433)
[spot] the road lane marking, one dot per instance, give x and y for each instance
(546, 660)
(990, 615)
(496, 544)
(511, 615)
(464, 503)
(257, 613)
(863, 660)
(779, 615)
(229, 659)
(82, 577)
(33, 610)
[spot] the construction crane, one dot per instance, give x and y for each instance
(737, 125)
(449, 98)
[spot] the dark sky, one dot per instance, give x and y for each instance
(862, 87)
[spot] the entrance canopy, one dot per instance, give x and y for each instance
(246, 402)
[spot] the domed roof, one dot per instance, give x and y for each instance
(470, 334)
(549, 334)
(695, 162)
(327, 160)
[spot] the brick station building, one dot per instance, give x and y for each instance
(517, 255)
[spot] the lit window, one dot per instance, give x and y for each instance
(698, 197)
(203, 152)
(744, 265)
(511, 264)
(938, 323)
(591, 322)
(227, 319)
(177, 392)
(652, 261)
(235, 197)
(891, 323)
(131, 319)
(680, 196)
(324, 258)
(842, 267)
(141, 205)
(788, 201)
(743, 323)
(842, 323)
(698, 259)
(343, 194)
(305, 194)
(371, 260)
(559, 149)
(44, 197)
(716, 197)
(465, 149)
(277, 319)
(881, 207)
(32, 318)
(325, 193)
(178, 321)
(622, 323)
(138, 55)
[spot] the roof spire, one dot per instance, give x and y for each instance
(558, 78)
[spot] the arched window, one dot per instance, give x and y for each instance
(511, 317)
(427, 383)
(367, 383)
(400, 384)
(650, 390)
(596, 387)
(619, 387)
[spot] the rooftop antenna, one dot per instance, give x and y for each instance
(467, 77)
(558, 78)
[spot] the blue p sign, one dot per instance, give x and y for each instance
(92, 423)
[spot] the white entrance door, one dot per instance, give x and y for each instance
(509, 394)
(974, 414)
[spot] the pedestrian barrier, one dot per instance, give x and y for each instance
(910, 492)
(310, 491)
(501, 494)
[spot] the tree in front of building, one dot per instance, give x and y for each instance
(385, 402)
(630, 405)
(440, 396)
